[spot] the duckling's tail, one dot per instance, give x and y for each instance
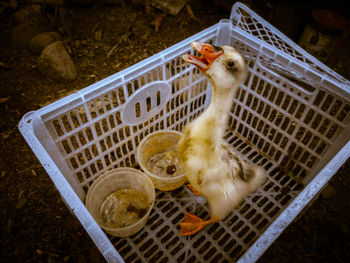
(225, 195)
(254, 176)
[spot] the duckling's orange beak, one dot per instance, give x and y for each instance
(208, 53)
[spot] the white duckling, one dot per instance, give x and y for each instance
(211, 165)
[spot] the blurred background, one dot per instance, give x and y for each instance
(98, 39)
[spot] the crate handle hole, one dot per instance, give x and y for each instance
(146, 102)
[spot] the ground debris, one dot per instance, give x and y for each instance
(21, 203)
(157, 21)
(39, 251)
(3, 100)
(98, 35)
(191, 14)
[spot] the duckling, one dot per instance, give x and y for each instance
(212, 167)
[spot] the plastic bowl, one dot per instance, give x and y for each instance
(109, 183)
(156, 155)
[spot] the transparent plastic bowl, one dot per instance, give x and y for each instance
(112, 181)
(155, 144)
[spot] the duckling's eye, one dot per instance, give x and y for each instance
(230, 64)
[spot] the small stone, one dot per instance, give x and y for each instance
(30, 13)
(24, 32)
(328, 192)
(41, 41)
(56, 63)
(5, 135)
(172, 8)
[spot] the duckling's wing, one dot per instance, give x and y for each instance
(238, 168)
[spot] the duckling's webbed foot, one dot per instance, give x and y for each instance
(193, 224)
(194, 191)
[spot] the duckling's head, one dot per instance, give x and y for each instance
(223, 65)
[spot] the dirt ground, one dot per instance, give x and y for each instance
(36, 226)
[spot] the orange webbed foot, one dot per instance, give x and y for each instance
(193, 224)
(193, 190)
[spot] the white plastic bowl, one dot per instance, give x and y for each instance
(112, 181)
(156, 143)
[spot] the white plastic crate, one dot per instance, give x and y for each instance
(291, 116)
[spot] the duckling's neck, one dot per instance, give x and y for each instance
(214, 119)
